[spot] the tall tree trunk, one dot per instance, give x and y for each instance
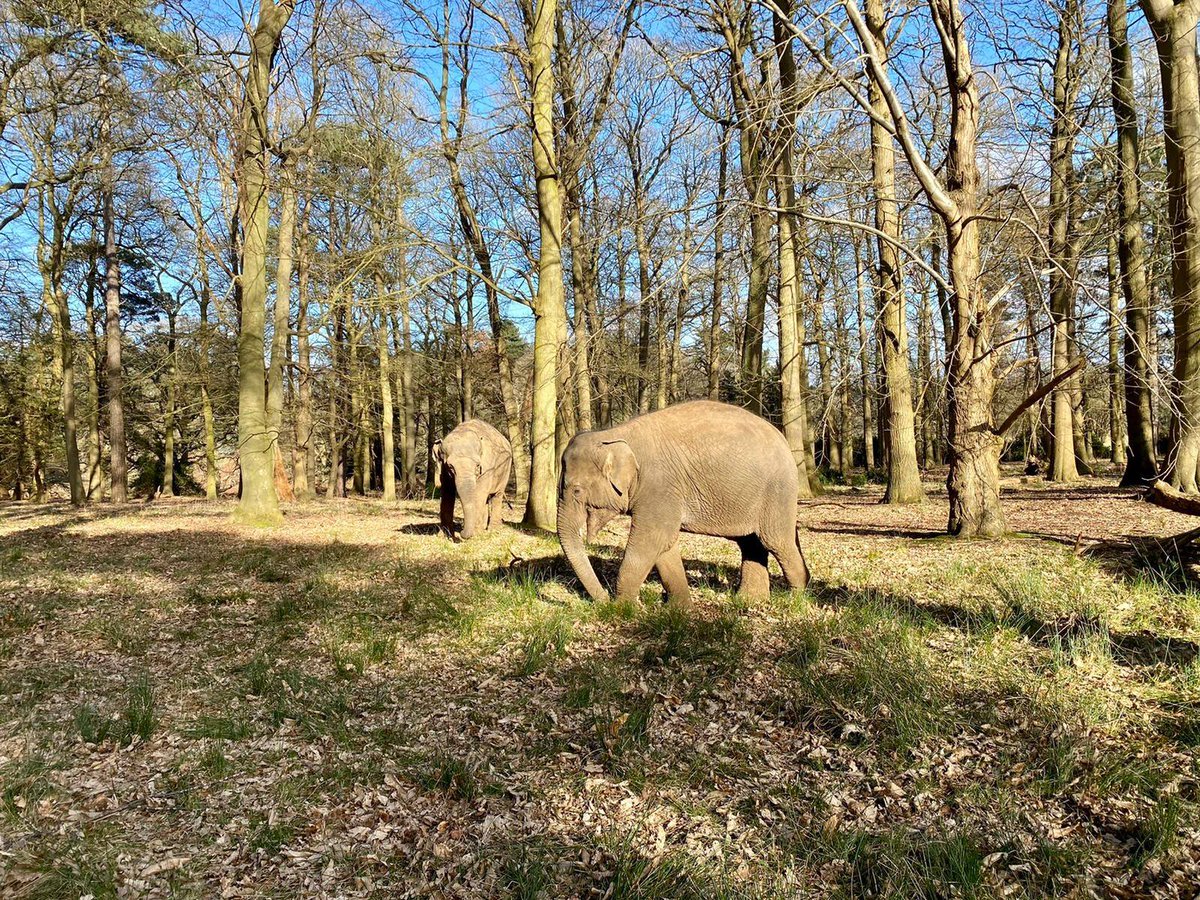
(713, 342)
(791, 337)
(1116, 430)
(1141, 465)
(50, 258)
(118, 466)
(259, 503)
(1062, 261)
(94, 481)
(304, 453)
(385, 397)
(548, 309)
(1174, 27)
(864, 364)
(904, 476)
(168, 480)
(281, 325)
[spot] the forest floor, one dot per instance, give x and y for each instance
(351, 705)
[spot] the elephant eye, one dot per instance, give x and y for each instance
(478, 469)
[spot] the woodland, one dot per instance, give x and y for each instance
(258, 258)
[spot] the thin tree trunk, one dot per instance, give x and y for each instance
(1116, 430)
(904, 476)
(281, 326)
(791, 338)
(118, 467)
(549, 311)
(50, 258)
(864, 363)
(304, 453)
(168, 480)
(385, 396)
(1062, 262)
(718, 274)
(1141, 466)
(94, 485)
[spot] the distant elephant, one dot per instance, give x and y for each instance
(700, 467)
(476, 460)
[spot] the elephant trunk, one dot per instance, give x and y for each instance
(472, 498)
(572, 522)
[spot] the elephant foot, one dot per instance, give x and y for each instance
(755, 583)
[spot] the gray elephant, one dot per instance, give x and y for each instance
(475, 460)
(700, 467)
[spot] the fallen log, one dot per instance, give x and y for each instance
(1162, 494)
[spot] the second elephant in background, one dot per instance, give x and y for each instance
(476, 461)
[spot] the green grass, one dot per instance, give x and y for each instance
(456, 778)
(913, 865)
(226, 728)
(74, 868)
(669, 632)
(267, 836)
(25, 782)
(526, 873)
(1157, 832)
(138, 718)
(881, 680)
(545, 641)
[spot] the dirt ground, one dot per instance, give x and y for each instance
(351, 705)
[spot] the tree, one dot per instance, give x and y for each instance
(1141, 466)
(904, 476)
(1173, 23)
(256, 445)
(548, 306)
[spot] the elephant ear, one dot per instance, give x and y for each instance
(620, 466)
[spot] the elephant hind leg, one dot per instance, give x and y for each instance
(674, 578)
(786, 549)
(756, 582)
(495, 511)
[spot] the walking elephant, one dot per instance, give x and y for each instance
(700, 467)
(475, 460)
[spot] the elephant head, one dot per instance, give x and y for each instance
(464, 457)
(599, 477)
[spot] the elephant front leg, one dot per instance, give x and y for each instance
(674, 578)
(447, 510)
(645, 547)
(756, 581)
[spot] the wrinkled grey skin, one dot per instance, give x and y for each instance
(476, 460)
(700, 467)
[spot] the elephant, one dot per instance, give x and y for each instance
(475, 461)
(700, 467)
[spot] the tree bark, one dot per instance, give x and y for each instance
(259, 503)
(1174, 27)
(548, 309)
(1142, 464)
(118, 466)
(281, 325)
(904, 475)
(713, 343)
(1061, 245)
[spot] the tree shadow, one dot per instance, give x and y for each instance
(434, 529)
(878, 531)
(1142, 648)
